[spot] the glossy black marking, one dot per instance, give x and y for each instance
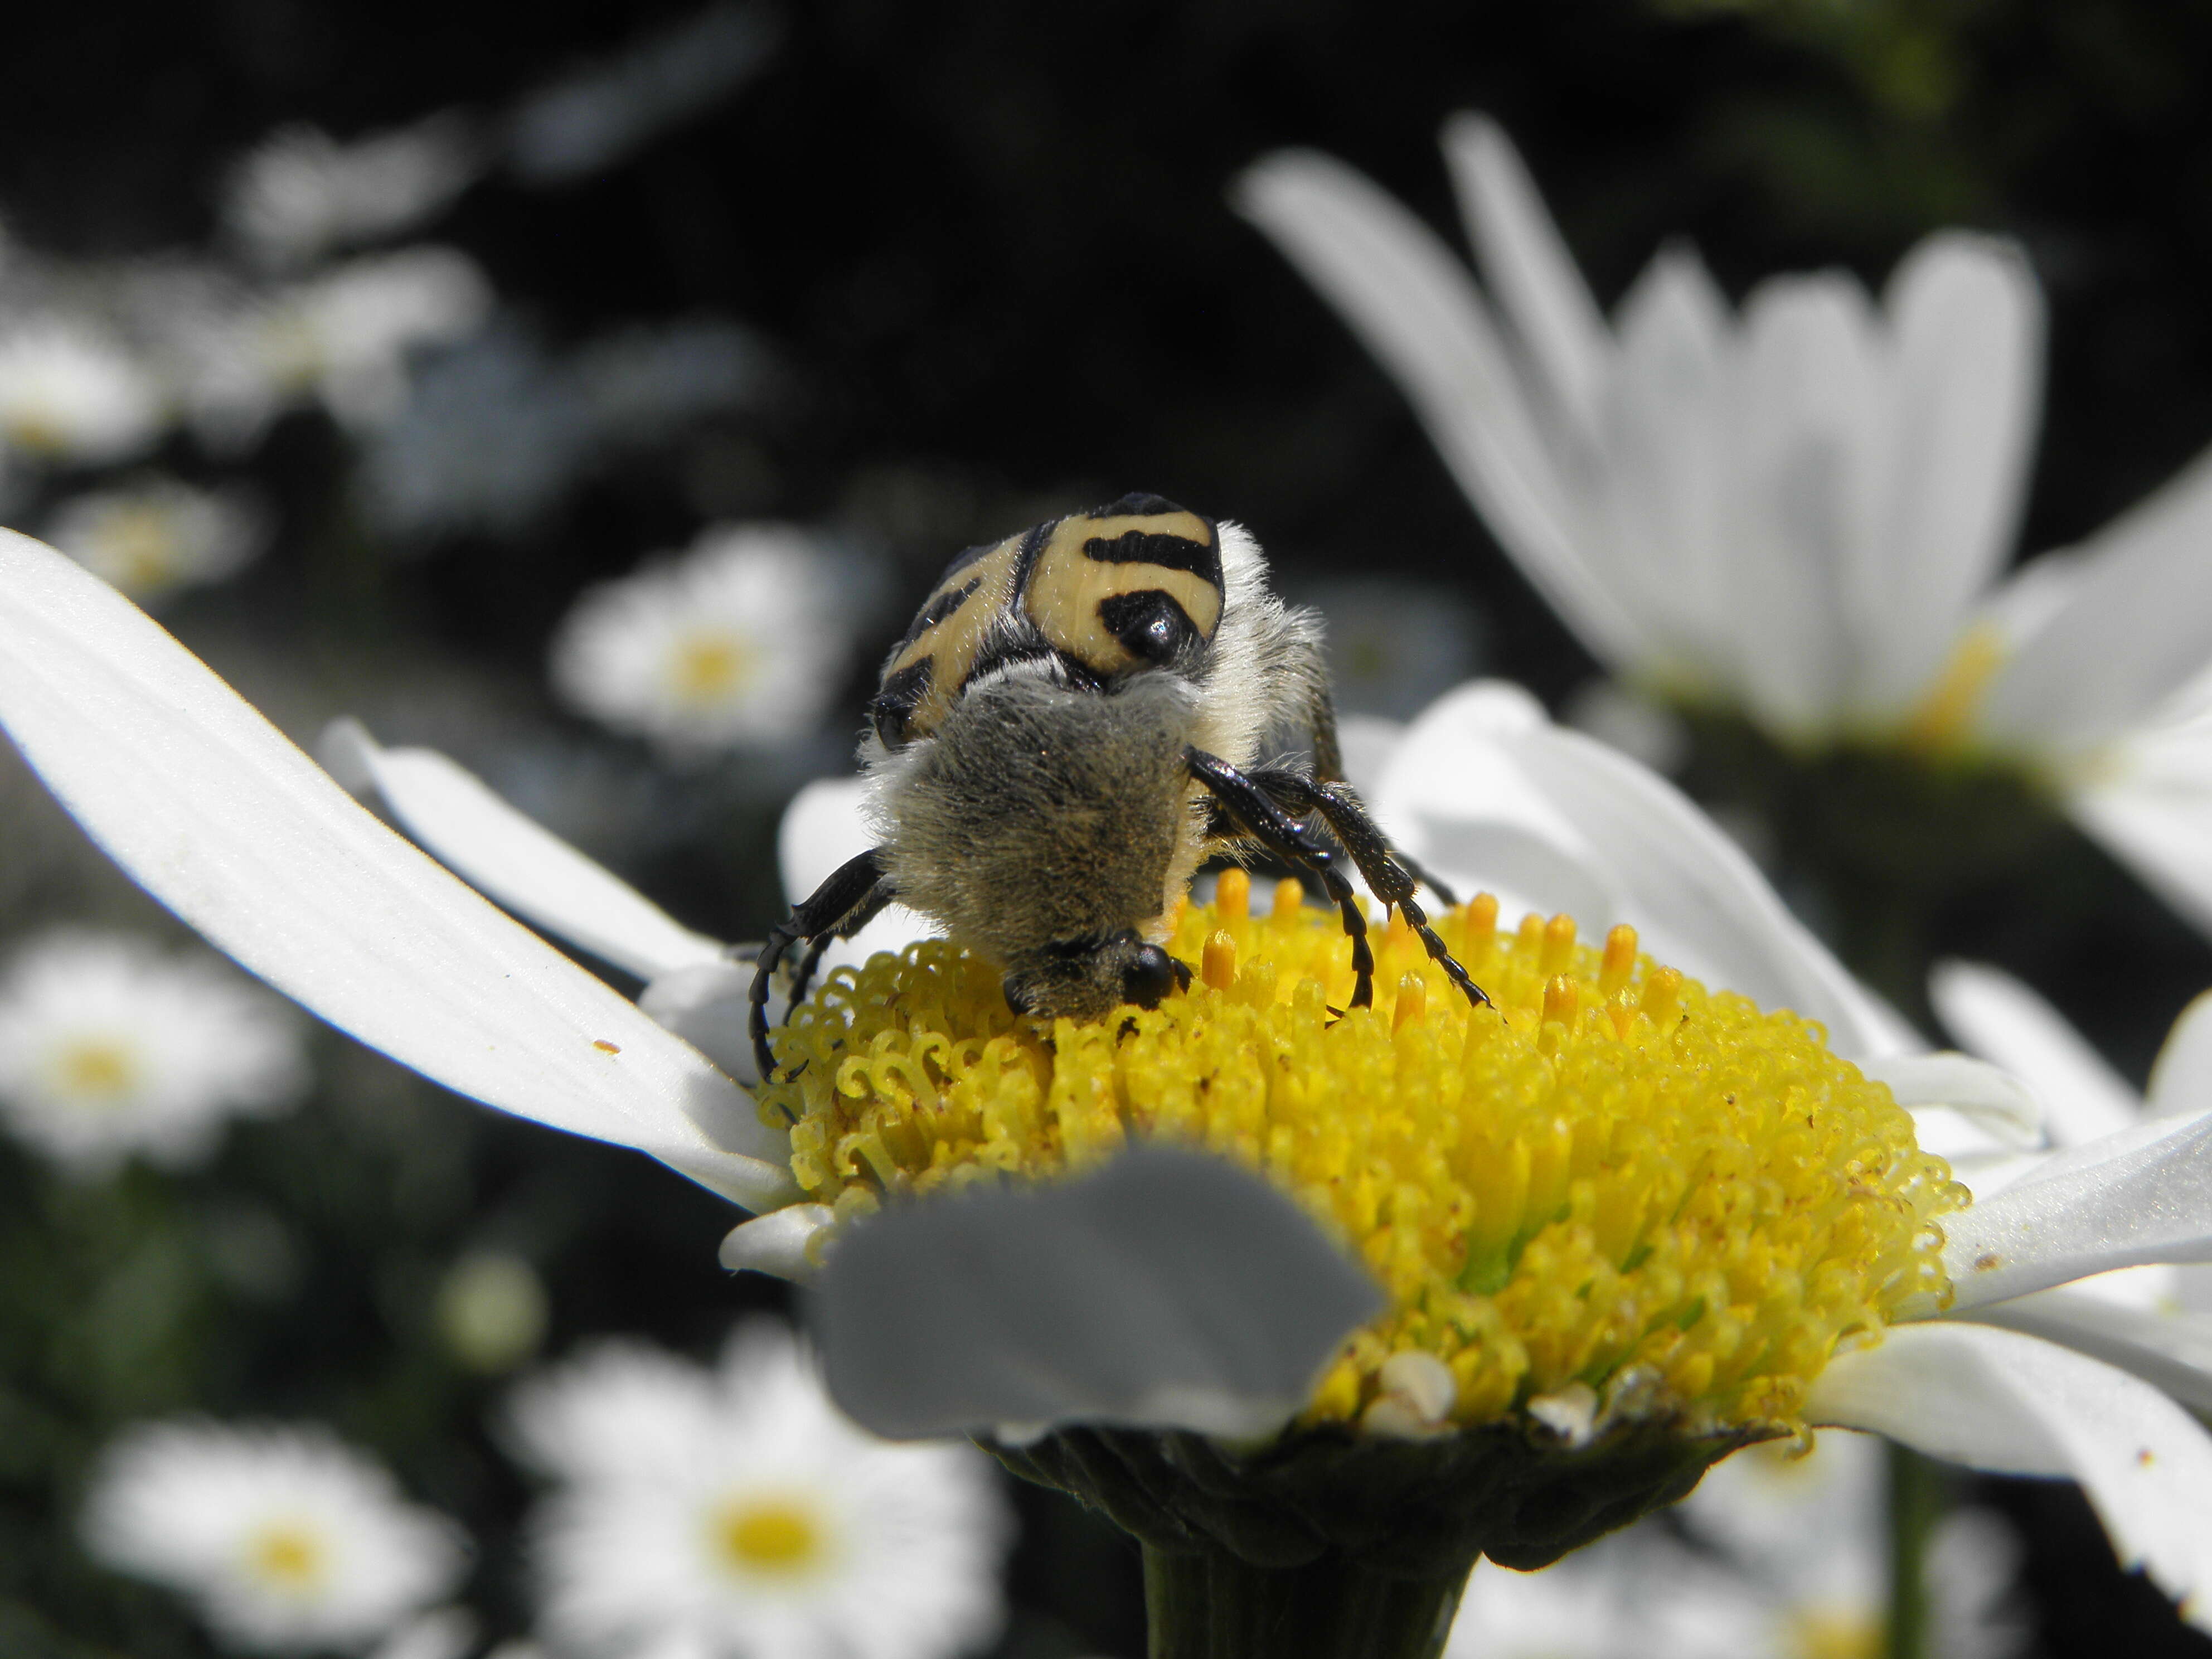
(892, 707)
(944, 605)
(1079, 676)
(1149, 623)
(1170, 552)
(1150, 976)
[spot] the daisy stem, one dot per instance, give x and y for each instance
(1214, 1605)
(1916, 1505)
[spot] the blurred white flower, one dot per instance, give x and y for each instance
(300, 193)
(154, 536)
(734, 1514)
(1790, 1560)
(69, 394)
(491, 1309)
(1638, 1595)
(744, 639)
(110, 1045)
(284, 1538)
(593, 119)
(496, 432)
(440, 1633)
(1801, 510)
(2155, 1320)
(1811, 1533)
(341, 339)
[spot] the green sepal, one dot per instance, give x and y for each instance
(1412, 1509)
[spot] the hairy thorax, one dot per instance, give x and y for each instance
(1042, 823)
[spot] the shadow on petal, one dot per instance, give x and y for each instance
(1168, 1290)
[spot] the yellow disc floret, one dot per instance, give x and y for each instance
(1613, 1186)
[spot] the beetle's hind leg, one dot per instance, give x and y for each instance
(1388, 873)
(1240, 797)
(855, 892)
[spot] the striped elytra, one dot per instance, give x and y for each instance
(1128, 586)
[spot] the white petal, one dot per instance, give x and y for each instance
(2001, 1019)
(2181, 1076)
(826, 824)
(499, 851)
(2147, 799)
(2171, 1351)
(1416, 309)
(1809, 475)
(1484, 789)
(1995, 1099)
(1368, 742)
(1528, 266)
(221, 819)
(2011, 1404)
(709, 1006)
(1168, 1290)
(776, 1243)
(2137, 628)
(1668, 444)
(1966, 318)
(2144, 1194)
(1454, 798)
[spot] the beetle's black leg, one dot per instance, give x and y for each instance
(868, 910)
(1387, 872)
(854, 889)
(1286, 838)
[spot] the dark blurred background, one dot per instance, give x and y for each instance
(982, 255)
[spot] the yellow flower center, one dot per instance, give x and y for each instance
(1612, 1190)
(96, 1071)
(288, 1553)
(708, 667)
(37, 431)
(779, 1535)
(143, 551)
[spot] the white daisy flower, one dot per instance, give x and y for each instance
(1801, 510)
(742, 638)
(497, 431)
(110, 1045)
(735, 1514)
(2155, 1320)
(283, 1537)
(157, 535)
(196, 795)
(71, 395)
(1811, 1533)
(1791, 1560)
(341, 339)
(300, 193)
(1638, 1595)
